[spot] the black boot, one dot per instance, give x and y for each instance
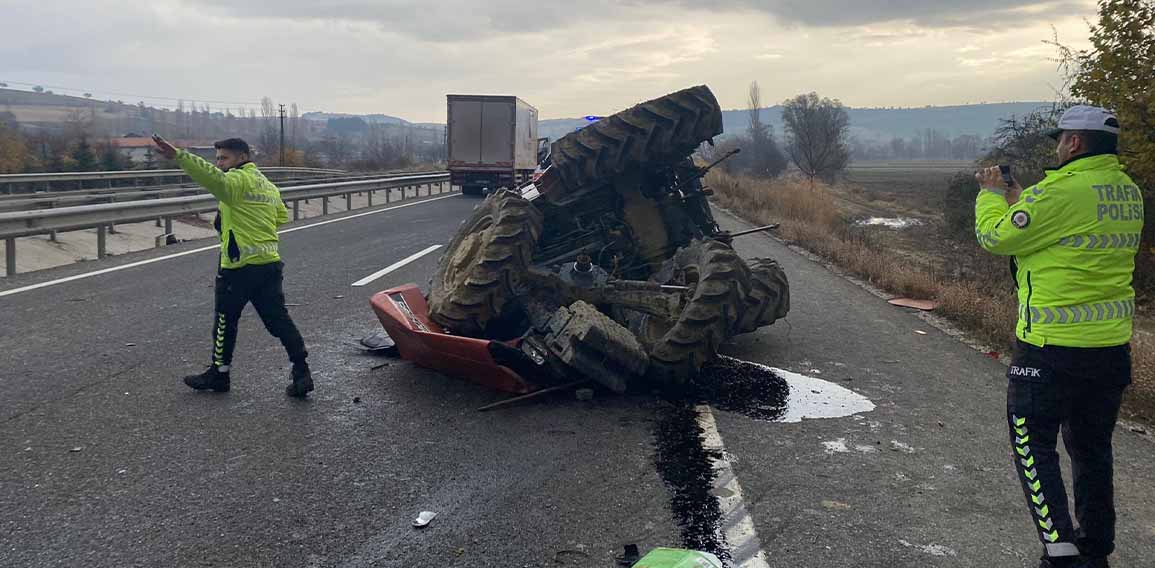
(212, 379)
(302, 381)
(1088, 562)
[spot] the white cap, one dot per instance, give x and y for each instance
(1083, 117)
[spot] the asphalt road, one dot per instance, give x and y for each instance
(110, 461)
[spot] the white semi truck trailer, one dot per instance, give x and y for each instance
(492, 142)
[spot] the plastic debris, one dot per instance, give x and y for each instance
(924, 305)
(920, 332)
(675, 558)
(629, 556)
(423, 519)
(77, 449)
(378, 343)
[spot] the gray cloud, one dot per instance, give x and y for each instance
(456, 20)
(929, 13)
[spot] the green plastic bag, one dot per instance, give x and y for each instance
(675, 558)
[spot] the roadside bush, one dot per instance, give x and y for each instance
(959, 205)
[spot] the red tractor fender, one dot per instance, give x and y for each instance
(405, 316)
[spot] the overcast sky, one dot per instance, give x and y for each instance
(570, 58)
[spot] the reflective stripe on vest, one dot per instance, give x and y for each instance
(1100, 311)
(1107, 241)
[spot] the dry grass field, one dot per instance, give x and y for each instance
(920, 259)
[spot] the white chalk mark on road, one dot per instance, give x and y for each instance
(31, 287)
(395, 266)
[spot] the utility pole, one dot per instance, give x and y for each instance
(282, 135)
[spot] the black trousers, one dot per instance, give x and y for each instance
(261, 285)
(1077, 391)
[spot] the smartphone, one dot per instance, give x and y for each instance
(1008, 179)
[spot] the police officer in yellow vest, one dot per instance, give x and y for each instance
(250, 210)
(1073, 237)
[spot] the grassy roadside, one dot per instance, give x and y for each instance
(972, 288)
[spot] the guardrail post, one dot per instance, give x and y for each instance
(101, 241)
(370, 195)
(10, 257)
(296, 209)
(348, 201)
(159, 222)
(168, 225)
(324, 206)
(388, 193)
(52, 236)
(112, 228)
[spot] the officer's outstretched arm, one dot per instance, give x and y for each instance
(1033, 223)
(218, 183)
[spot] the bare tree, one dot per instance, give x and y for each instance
(294, 123)
(816, 132)
(764, 157)
(268, 136)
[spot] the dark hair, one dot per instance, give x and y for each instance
(1098, 141)
(234, 144)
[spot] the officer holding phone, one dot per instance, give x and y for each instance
(1073, 237)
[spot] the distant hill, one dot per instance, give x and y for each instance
(368, 118)
(865, 123)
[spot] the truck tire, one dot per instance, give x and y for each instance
(662, 131)
(722, 292)
(769, 298)
(484, 264)
(595, 346)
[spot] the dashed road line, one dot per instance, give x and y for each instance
(81, 276)
(395, 266)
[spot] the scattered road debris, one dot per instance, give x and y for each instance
(931, 549)
(423, 519)
(533, 394)
(924, 305)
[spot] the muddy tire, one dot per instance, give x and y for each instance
(595, 346)
(662, 131)
(722, 286)
(769, 298)
(484, 264)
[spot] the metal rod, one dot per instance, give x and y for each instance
(10, 257)
(533, 394)
(755, 230)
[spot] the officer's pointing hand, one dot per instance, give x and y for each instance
(167, 150)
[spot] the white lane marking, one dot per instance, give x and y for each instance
(737, 527)
(395, 266)
(202, 249)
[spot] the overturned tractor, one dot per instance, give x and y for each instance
(611, 267)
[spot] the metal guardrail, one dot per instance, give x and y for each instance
(103, 216)
(29, 202)
(9, 181)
